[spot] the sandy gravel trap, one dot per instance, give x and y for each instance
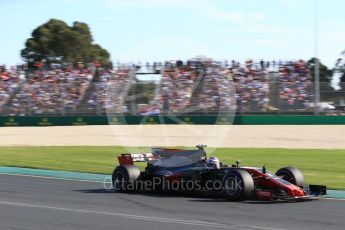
(277, 136)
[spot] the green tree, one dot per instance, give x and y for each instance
(325, 73)
(56, 39)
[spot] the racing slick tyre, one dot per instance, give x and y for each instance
(292, 175)
(238, 185)
(124, 177)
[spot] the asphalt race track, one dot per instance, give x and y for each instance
(41, 203)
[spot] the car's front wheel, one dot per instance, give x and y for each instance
(292, 175)
(238, 185)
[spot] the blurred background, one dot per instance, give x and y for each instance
(172, 58)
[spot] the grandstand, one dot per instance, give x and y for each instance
(198, 86)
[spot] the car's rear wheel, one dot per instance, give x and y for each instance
(238, 185)
(124, 177)
(292, 175)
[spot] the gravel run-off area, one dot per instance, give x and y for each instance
(256, 136)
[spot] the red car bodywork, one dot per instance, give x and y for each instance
(272, 182)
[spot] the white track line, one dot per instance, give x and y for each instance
(138, 217)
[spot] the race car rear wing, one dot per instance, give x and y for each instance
(130, 158)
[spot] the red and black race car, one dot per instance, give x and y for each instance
(193, 171)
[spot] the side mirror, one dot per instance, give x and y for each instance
(264, 169)
(238, 163)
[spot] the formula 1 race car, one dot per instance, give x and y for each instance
(193, 171)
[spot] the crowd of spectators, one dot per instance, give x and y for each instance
(176, 88)
(217, 92)
(252, 85)
(189, 87)
(9, 82)
(62, 90)
(192, 88)
(50, 92)
(295, 86)
(109, 92)
(251, 81)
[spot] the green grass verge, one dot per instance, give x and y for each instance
(319, 166)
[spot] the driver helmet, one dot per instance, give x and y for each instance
(213, 162)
